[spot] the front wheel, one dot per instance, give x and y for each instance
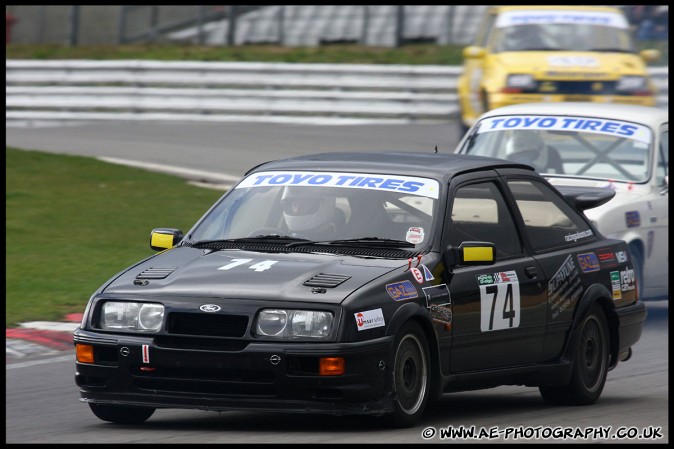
(121, 414)
(411, 376)
(590, 365)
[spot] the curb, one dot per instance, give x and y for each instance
(41, 337)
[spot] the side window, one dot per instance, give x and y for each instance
(549, 221)
(479, 213)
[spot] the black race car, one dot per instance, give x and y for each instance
(365, 283)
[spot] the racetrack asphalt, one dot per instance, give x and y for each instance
(44, 337)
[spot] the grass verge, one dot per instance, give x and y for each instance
(73, 222)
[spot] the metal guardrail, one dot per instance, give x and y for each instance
(222, 91)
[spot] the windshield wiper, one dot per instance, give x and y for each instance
(362, 241)
(272, 238)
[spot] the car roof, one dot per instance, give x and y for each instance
(640, 114)
(441, 166)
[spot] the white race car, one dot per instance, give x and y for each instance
(622, 147)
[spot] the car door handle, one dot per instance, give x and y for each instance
(531, 272)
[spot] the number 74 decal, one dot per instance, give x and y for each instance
(260, 266)
(500, 306)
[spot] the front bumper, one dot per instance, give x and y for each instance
(269, 376)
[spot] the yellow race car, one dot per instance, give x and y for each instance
(525, 54)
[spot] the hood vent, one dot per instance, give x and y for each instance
(155, 273)
(326, 280)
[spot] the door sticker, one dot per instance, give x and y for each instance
(564, 286)
(499, 301)
(439, 303)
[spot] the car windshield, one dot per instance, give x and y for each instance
(582, 147)
(550, 30)
(287, 206)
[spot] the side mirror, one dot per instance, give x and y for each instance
(473, 52)
(650, 55)
(165, 238)
(665, 186)
(472, 253)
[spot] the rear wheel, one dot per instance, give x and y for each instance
(121, 414)
(411, 376)
(590, 365)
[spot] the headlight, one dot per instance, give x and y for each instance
(630, 83)
(290, 324)
(521, 81)
(132, 316)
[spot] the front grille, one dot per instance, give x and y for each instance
(576, 88)
(206, 380)
(212, 325)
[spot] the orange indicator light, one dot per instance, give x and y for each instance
(85, 353)
(331, 366)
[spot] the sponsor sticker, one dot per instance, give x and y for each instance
(415, 235)
(417, 275)
(564, 287)
(439, 302)
(505, 276)
(621, 256)
(627, 280)
(578, 235)
(615, 285)
(614, 128)
(369, 319)
(632, 219)
(441, 314)
(549, 16)
(402, 290)
(485, 279)
(589, 262)
(427, 273)
(412, 185)
(607, 258)
(437, 295)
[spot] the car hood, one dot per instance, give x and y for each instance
(238, 274)
(546, 64)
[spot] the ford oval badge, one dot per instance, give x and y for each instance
(209, 308)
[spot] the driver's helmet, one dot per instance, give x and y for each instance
(307, 208)
(524, 141)
(521, 37)
(528, 147)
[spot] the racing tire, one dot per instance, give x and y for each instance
(411, 376)
(590, 365)
(121, 414)
(637, 265)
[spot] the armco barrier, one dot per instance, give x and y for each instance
(237, 91)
